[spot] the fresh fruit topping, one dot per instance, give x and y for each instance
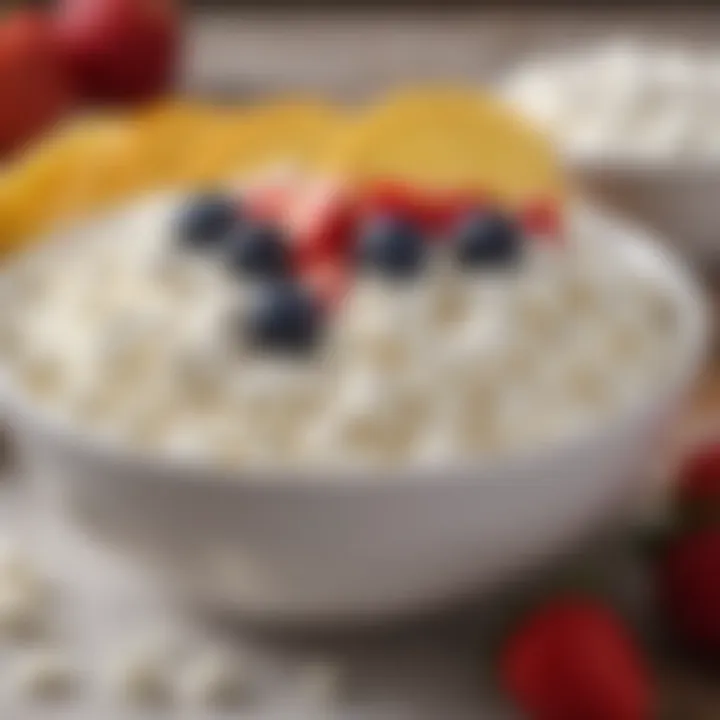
(453, 205)
(542, 218)
(391, 247)
(284, 318)
(573, 658)
(448, 137)
(206, 220)
(172, 139)
(487, 239)
(34, 86)
(322, 222)
(689, 589)
(435, 211)
(290, 130)
(272, 196)
(258, 250)
(329, 281)
(403, 201)
(120, 50)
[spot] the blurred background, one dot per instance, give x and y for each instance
(386, 43)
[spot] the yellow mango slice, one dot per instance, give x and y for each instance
(293, 131)
(47, 184)
(450, 137)
(165, 137)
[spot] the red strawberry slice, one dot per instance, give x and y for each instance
(322, 222)
(396, 198)
(542, 218)
(270, 198)
(434, 211)
(452, 206)
(330, 281)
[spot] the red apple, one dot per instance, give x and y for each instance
(34, 90)
(120, 51)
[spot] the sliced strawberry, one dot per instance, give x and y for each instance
(452, 206)
(269, 204)
(271, 197)
(330, 281)
(434, 211)
(542, 218)
(396, 198)
(322, 222)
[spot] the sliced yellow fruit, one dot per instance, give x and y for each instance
(428, 136)
(111, 169)
(191, 145)
(165, 136)
(122, 157)
(46, 184)
(293, 131)
(98, 161)
(208, 160)
(448, 137)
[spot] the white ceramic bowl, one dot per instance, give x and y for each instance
(294, 547)
(678, 200)
(675, 195)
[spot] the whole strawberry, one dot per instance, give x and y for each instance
(34, 88)
(689, 589)
(120, 51)
(573, 659)
(698, 486)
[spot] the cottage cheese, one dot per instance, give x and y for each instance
(625, 100)
(122, 334)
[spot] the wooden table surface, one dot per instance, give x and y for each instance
(350, 54)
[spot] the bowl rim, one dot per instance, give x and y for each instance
(136, 463)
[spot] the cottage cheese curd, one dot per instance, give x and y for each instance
(124, 334)
(625, 100)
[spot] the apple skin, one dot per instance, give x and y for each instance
(34, 89)
(120, 51)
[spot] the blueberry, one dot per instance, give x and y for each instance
(284, 317)
(204, 220)
(487, 239)
(258, 251)
(391, 246)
